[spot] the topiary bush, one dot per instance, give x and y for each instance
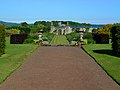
(101, 38)
(18, 38)
(115, 30)
(89, 38)
(2, 39)
(31, 39)
(12, 31)
(48, 36)
(73, 36)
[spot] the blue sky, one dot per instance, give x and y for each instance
(88, 11)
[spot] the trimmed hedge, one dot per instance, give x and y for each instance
(47, 37)
(31, 39)
(2, 39)
(89, 38)
(115, 30)
(101, 38)
(12, 31)
(73, 36)
(18, 38)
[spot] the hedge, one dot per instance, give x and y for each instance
(115, 30)
(18, 38)
(73, 36)
(2, 39)
(89, 38)
(101, 38)
(12, 31)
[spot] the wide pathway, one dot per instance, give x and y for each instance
(59, 68)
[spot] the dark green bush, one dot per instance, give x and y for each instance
(31, 39)
(33, 36)
(101, 38)
(89, 37)
(115, 30)
(2, 39)
(18, 38)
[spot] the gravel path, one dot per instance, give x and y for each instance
(59, 68)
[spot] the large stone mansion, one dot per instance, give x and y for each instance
(61, 29)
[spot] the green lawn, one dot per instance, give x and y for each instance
(59, 39)
(103, 55)
(14, 57)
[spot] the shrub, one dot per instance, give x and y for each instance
(31, 39)
(115, 30)
(48, 36)
(33, 36)
(85, 41)
(24, 30)
(12, 31)
(101, 38)
(89, 37)
(73, 36)
(18, 38)
(2, 39)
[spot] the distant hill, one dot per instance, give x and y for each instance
(7, 24)
(47, 23)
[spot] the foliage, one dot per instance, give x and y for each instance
(12, 31)
(24, 30)
(101, 35)
(28, 41)
(18, 38)
(103, 56)
(85, 41)
(89, 37)
(31, 39)
(73, 36)
(48, 36)
(33, 36)
(14, 58)
(105, 29)
(95, 30)
(115, 30)
(24, 24)
(101, 38)
(2, 39)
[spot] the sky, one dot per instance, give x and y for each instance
(83, 11)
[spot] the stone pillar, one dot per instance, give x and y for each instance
(68, 29)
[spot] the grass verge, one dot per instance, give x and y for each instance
(13, 58)
(102, 53)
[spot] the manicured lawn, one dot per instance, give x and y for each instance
(59, 39)
(14, 57)
(103, 55)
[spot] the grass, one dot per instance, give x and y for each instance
(13, 58)
(59, 39)
(104, 57)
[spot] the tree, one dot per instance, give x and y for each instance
(2, 39)
(24, 24)
(115, 30)
(25, 28)
(105, 29)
